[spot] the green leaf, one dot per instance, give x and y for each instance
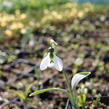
(46, 90)
(78, 77)
(19, 94)
(82, 100)
(28, 90)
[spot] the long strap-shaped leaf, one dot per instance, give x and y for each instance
(46, 90)
(78, 77)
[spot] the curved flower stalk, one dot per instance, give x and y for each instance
(51, 60)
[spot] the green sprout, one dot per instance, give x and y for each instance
(82, 96)
(23, 95)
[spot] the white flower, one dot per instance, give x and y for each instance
(56, 62)
(31, 43)
(2, 60)
(7, 4)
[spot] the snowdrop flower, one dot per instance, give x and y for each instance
(55, 62)
(51, 60)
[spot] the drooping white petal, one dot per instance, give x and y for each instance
(77, 78)
(45, 62)
(58, 63)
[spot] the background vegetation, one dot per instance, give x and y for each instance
(81, 31)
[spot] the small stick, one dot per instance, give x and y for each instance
(67, 104)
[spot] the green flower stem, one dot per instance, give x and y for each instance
(71, 93)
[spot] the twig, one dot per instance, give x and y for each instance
(66, 107)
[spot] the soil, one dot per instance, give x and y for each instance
(90, 45)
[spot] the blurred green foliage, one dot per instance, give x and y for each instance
(24, 5)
